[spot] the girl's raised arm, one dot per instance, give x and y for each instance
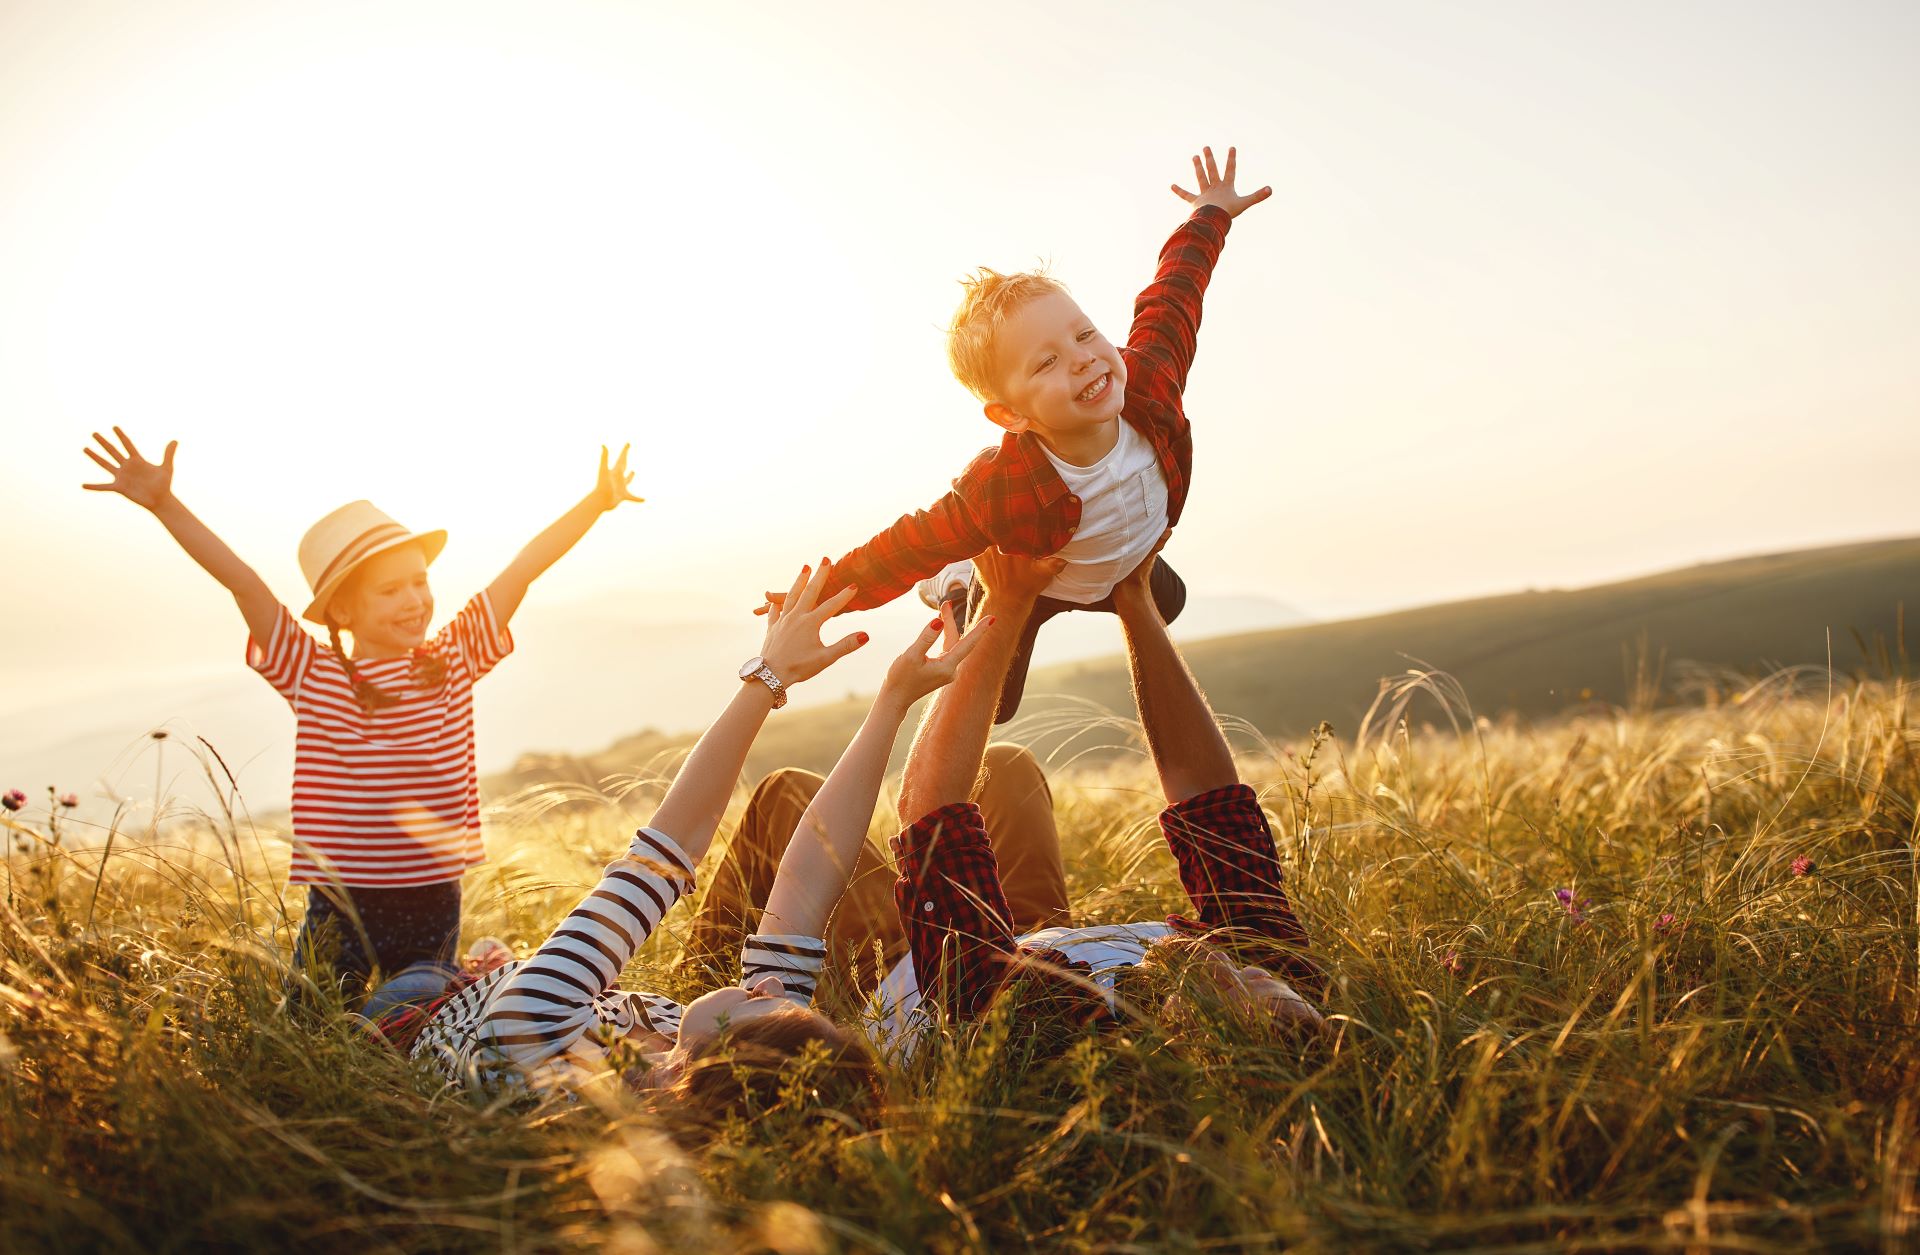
(819, 858)
(509, 588)
(146, 484)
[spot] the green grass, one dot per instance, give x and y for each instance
(1503, 1073)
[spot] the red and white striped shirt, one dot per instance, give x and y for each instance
(388, 797)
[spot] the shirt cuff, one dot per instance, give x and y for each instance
(954, 822)
(650, 845)
(794, 958)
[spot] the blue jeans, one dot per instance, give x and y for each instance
(414, 986)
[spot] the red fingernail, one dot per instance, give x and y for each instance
(934, 625)
(991, 618)
(861, 637)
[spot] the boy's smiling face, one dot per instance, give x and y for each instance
(386, 603)
(1056, 374)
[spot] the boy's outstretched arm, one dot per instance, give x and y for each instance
(149, 485)
(916, 546)
(1166, 316)
(612, 488)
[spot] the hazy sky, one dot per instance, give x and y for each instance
(1546, 294)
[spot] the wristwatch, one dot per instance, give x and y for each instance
(756, 668)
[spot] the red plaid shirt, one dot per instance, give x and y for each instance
(1012, 496)
(956, 918)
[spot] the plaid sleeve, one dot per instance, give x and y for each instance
(1166, 316)
(478, 634)
(283, 658)
(1230, 870)
(953, 909)
(917, 545)
(955, 914)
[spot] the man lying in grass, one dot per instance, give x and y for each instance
(558, 1017)
(963, 950)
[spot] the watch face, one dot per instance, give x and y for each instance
(750, 666)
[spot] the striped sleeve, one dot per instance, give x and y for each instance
(796, 960)
(548, 1004)
(478, 634)
(282, 660)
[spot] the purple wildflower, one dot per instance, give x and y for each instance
(1451, 961)
(69, 800)
(1665, 922)
(13, 799)
(1803, 866)
(1566, 899)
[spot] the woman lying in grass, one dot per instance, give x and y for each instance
(963, 949)
(559, 1017)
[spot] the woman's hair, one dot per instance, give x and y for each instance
(745, 1070)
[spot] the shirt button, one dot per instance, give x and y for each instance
(926, 906)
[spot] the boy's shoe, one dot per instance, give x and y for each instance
(953, 583)
(486, 954)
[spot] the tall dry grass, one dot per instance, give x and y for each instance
(1643, 979)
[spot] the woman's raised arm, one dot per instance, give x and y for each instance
(819, 858)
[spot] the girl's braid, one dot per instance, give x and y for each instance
(372, 697)
(428, 670)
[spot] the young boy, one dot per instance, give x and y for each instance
(1068, 478)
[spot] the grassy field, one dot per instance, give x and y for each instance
(1644, 978)
(1535, 654)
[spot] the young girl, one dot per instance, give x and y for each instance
(560, 1016)
(386, 806)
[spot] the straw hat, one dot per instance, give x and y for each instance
(334, 546)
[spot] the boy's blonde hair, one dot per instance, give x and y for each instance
(990, 297)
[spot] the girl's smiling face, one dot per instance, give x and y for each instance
(386, 603)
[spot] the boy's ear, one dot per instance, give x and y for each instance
(1004, 415)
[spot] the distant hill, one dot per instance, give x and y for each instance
(1534, 654)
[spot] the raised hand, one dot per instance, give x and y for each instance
(1216, 187)
(913, 674)
(133, 477)
(792, 647)
(1015, 579)
(616, 482)
(1137, 584)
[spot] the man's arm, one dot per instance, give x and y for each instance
(509, 588)
(1213, 823)
(150, 485)
(951, 903)
(1166, 316)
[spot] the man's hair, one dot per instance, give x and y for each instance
(990, 297)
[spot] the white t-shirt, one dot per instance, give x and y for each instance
(1123, 511)
(1106, 948)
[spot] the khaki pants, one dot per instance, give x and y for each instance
(864, 937)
